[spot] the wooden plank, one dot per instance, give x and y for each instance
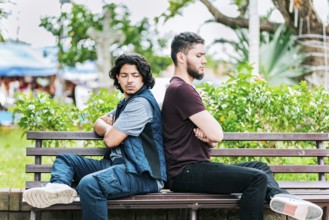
(304, 184)
(57, 151)
(76, 206)
(259, 136)
(46, 168)
(214, 152)
(230, 152)
(300, 168)
(316, 185)
(32, 184)
(61, 135)
(228, 136)
(33, 168)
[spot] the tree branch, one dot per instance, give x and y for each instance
(238, 22)
(306, 15)
(284, 10)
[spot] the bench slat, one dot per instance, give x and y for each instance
(228, 136)
(304, 184)
(46, 168)
(58, 135)
(262, 136)
(270, 152)
(214, 152)
(57, 151)
(300, 168)
(299, 185)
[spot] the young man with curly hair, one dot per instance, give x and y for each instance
(134, 163)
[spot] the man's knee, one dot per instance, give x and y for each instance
(261, 166)
(88, 186)
(260, 178)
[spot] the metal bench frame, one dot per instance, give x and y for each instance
(314, 191)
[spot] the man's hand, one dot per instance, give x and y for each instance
(201, 136)
(208, 125)
(108, 119)
(103, 124)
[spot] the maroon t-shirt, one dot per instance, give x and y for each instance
(181, 146)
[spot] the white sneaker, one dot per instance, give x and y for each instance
(297, 208)
(52, 193)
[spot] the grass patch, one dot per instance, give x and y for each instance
(12, 156)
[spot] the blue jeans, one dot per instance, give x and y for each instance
(98, 181)
(253, 179)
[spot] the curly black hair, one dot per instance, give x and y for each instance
(141, 64)
(183, 42)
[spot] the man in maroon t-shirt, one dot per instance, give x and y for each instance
(189, 133)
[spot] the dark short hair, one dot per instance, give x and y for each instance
(141, 64)
(183, 42)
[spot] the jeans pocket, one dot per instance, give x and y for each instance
(113, 182)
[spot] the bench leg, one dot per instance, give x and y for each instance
(325, 213)
(193, 214)
(33, 214)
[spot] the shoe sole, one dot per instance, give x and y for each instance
(42, 198)
(301, 210)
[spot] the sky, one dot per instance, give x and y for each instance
(23, 22)
(25, 18)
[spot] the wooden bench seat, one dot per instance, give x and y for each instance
(316, 191)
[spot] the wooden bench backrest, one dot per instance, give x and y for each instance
(317, 152)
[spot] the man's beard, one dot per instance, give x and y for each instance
(194, 74)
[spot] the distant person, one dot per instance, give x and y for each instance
(134, 163)
(189, 133)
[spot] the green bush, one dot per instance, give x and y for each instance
(246, 103)
(42, 113)
(99, 104)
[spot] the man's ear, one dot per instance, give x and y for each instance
(180, 57)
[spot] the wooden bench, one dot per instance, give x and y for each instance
(316, 191)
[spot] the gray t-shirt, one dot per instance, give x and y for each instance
(132, 121)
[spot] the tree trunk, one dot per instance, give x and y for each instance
(310, 33)
(316, 47)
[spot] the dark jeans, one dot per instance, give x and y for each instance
(99, 181)
(253, 179)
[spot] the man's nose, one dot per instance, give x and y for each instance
(129, 78)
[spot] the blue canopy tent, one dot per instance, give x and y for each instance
(20, 60)
(23, 60)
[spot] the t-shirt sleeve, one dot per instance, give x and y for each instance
(188, 101)
(134, 117)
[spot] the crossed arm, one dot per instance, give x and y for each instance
(103, 127)
(208, 129)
